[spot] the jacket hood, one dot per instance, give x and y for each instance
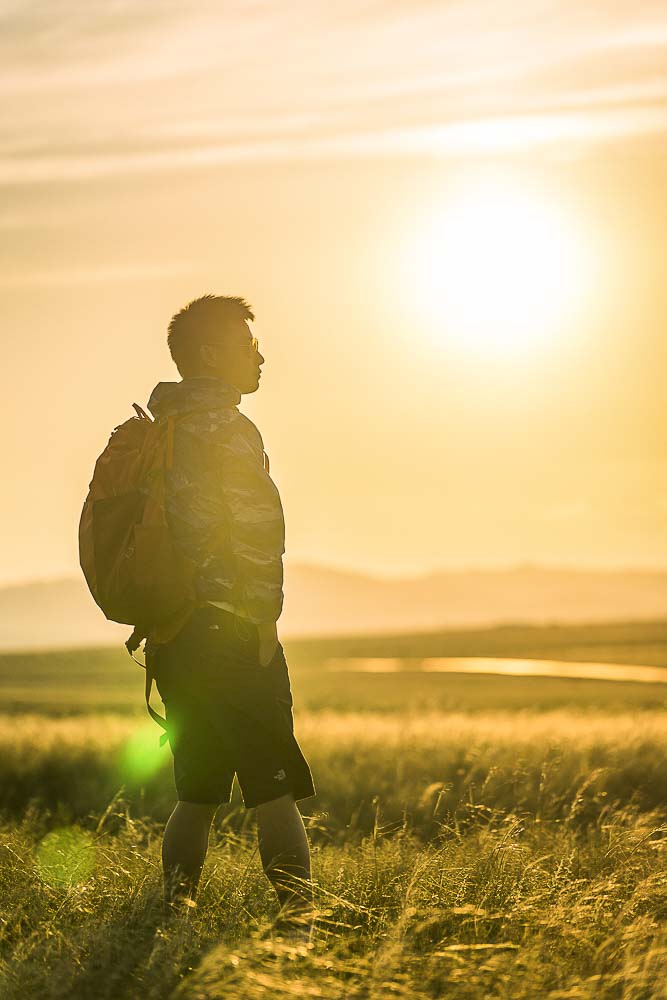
(203, 392)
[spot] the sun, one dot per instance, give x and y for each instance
(500, 269)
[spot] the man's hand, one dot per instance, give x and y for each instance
(268, 642)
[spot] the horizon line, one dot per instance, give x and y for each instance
(400, 577)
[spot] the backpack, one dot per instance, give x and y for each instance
(133, 571)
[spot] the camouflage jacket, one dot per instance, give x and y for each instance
(223, 508)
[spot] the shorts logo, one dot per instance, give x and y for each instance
(279, 775)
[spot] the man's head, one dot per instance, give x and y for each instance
(211, 336)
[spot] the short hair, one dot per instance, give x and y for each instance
(202, 321)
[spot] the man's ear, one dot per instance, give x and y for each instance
(208, 355)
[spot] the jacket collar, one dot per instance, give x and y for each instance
(202, 392)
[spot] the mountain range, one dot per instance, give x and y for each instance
(322, 601)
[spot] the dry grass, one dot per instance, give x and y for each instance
(508, 907)
(413, 769)
(516, 853)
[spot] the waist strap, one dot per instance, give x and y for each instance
(132, 645)
(155, 716)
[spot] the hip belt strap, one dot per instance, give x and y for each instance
(155, 716)
(132, 645)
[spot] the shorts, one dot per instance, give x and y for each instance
(227, 714)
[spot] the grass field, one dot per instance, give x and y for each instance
(473, 836)
(104, 680)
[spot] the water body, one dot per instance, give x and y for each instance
(496, 665)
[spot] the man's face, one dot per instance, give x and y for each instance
(234, 359)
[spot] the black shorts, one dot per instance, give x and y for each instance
(228, 714)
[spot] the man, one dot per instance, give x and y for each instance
(224, 678)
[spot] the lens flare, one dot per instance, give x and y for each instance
(66, 856)
(142, 756)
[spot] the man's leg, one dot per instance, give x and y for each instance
(184, 849)
(283, 849)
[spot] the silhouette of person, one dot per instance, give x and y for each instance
(223, 678)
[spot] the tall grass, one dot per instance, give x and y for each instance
(506, 853)
(413, 770)
(510, 907)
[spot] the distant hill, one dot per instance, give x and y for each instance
(324, 601)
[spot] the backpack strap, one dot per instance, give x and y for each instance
(132, 645)
(169, 454)
(141, 413)
(155, 716)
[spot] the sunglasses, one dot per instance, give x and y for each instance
(253, 346)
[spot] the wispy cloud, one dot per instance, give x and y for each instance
(56, 278)
(92, 88)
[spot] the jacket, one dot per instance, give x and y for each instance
(223, 509)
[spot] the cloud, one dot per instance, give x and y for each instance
(92, 89)
(480, 137)
(55, 278)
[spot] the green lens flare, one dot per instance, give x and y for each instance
(66, 856)
(142, 755)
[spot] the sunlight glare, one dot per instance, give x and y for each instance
(500, 269)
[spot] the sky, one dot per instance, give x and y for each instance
(313, 158)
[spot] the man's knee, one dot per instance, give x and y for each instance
(197, 811)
